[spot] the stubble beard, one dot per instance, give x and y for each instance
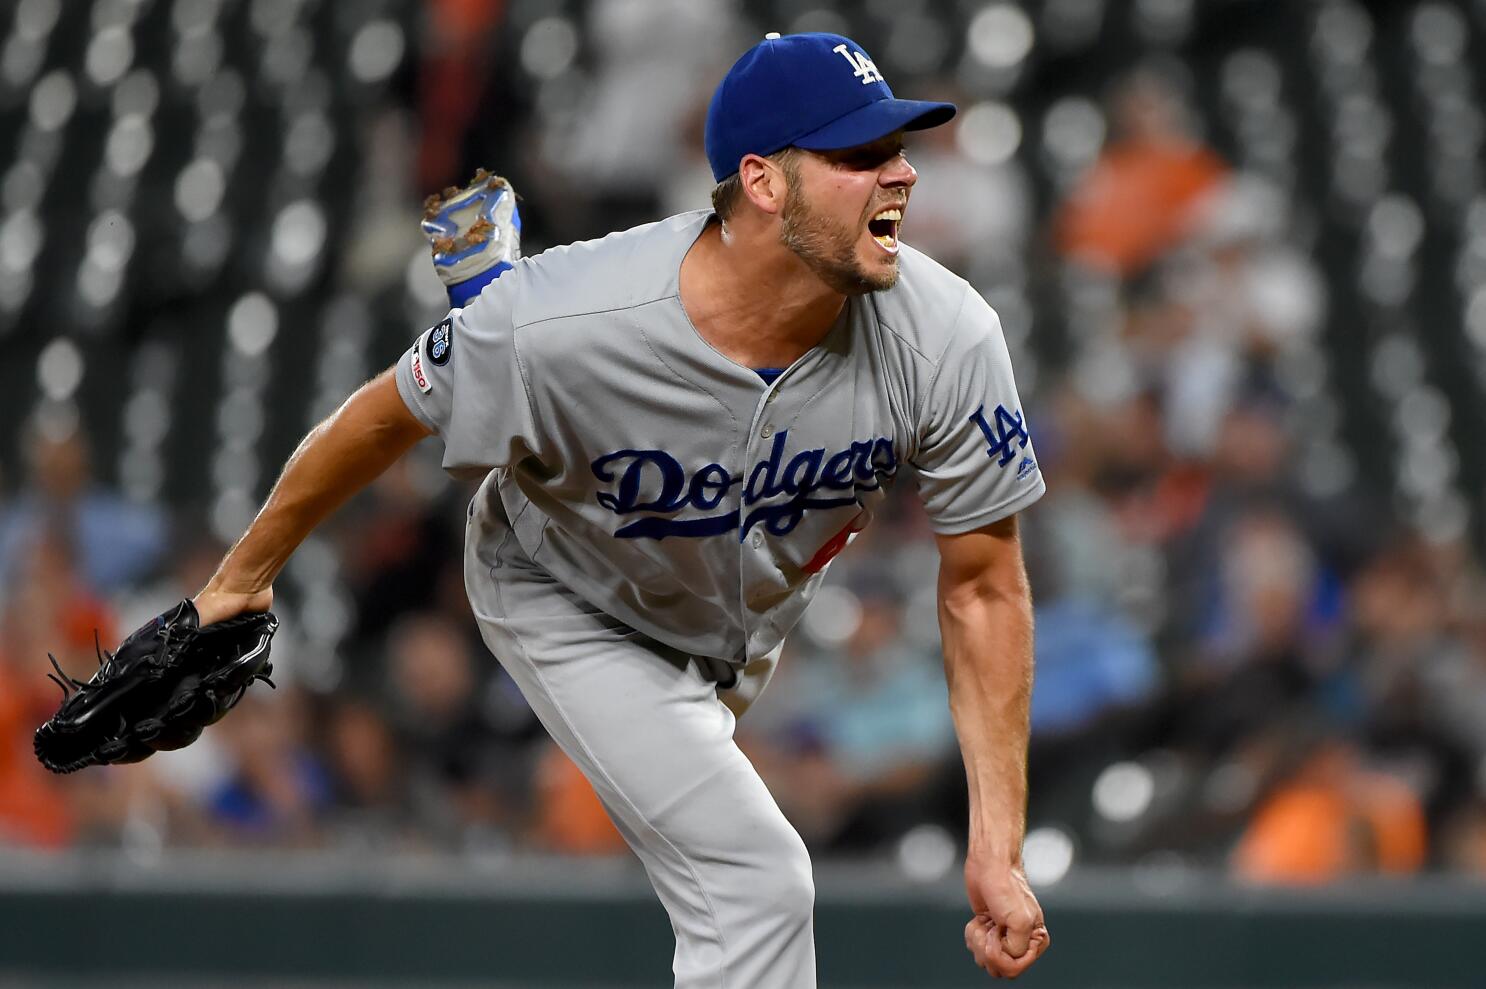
(828, 248)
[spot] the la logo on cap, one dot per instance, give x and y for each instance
(861, 66)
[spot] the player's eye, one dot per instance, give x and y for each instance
(869, 158)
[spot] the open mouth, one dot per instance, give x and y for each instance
(884, 228)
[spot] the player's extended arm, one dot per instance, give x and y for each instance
(985, 621)
(339, 457)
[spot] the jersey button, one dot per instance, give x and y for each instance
(758, 539)
(767, 431)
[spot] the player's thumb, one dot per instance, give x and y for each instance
(1018, 936)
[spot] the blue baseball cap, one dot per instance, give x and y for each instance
(814, 91)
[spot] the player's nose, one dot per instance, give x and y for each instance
(898, 174)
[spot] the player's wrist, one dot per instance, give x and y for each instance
(216, 602)
(999, 851)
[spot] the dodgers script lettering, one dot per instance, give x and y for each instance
(776, 492)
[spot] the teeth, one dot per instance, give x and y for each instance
(888, 241)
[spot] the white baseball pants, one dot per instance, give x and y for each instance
(656, 742)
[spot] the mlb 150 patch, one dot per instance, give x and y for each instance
(441, 342)
(415, 362)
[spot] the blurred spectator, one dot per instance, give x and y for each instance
(1093, 649)
(690, 183)
(1250, 664)
(1224, 309)
(48, 608)
(867, 733)
(651, 60)
(404, 554)
(457, 44)
(1417, 682)
(1336, 818)
(192, 559)
(1246, 473)
(468, 770)
(115, 540)
(1083, 543)
(1091, 662)
(1465, 841)
(278, 785)
(51, 607)
(1241, 277)
(569, 817)
(1138, 200)
(374, 805)
(1263, 589)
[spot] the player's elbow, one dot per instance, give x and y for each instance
(993, 585)
(982, 567)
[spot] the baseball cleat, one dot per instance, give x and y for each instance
(475, 234)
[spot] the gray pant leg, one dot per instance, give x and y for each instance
(657, 744)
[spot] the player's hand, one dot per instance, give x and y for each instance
(215, 604)
(1007, 933)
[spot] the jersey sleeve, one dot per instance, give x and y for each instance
(463, 378)
(975, 459)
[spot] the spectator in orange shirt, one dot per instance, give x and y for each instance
(569, 817)
(1335, 818)
(47, 608)
(1138, 200)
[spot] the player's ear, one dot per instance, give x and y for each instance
(763, 182)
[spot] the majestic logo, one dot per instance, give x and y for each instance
(775, 493)
(440, 341)
(861, 66)
(1005, 438)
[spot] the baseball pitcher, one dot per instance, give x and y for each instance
(677, 428)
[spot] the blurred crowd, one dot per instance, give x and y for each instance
(1247, 658)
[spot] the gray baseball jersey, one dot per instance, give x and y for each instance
(670, 486)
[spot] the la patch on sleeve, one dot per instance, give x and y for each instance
(1005, 437)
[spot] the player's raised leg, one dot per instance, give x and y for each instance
(651, 735)
(475, 234)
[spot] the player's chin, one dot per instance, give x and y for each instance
(878, 265)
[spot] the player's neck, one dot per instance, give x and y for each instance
(758, 304)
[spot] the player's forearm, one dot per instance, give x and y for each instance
(339, 457)
(987, 635)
